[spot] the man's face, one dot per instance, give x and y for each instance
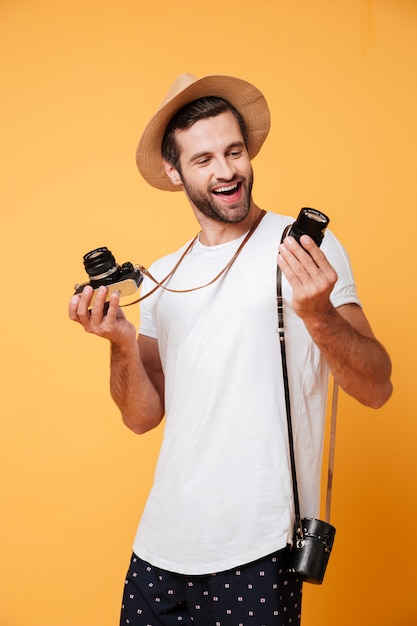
(215, 168)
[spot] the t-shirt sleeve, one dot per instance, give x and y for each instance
(344, 291)
(147, 325)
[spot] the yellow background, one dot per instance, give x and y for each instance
(79, 80)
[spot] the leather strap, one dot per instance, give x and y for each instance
(332, 448)
(281, 336)
(161, 285)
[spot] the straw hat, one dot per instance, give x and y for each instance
(246, 98)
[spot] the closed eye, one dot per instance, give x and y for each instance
(203, 161)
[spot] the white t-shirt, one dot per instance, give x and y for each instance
(222, 493)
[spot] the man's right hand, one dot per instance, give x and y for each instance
(102, 319)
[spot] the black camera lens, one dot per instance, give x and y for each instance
(101, 266)
(310, 222)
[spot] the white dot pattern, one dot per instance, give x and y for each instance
(258, 594)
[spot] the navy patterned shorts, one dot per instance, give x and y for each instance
(261, 593)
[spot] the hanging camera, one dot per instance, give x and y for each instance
(310, 552)
(102, 269)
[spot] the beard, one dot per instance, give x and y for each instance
(206, 202)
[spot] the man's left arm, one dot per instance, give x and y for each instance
(357, 360)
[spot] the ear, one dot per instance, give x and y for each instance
(172, 173)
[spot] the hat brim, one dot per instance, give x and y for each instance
(246, 98)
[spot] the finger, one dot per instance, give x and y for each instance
(113, 310)
(302, 249)
(322, 269)
(83, 312)
(98, 310)
(313, 250)
(311, 260)
(284, 256)
(293, 260)
(73, 308)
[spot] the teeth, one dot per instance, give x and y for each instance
(225, 189)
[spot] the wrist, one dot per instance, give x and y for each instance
(124, 346)
(327, 322)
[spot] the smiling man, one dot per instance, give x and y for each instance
(212, 543)
(218, 178)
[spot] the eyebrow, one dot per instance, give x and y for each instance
(199, 155)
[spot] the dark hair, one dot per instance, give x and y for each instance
(209, 106)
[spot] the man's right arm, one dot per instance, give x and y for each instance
(136, 377)
(137, 383)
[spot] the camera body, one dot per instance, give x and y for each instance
(102, 269)
(309, 222)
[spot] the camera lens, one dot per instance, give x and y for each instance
(312, 214)
(101, 266)
(310, 222)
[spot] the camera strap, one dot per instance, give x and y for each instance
(161, 284)
(281, 337)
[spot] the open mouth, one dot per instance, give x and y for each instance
(227, 191)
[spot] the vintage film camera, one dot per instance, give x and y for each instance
(102, 269)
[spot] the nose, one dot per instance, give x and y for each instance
(225, 169)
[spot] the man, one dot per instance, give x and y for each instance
(212, 542)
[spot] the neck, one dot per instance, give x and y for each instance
(214, 233)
